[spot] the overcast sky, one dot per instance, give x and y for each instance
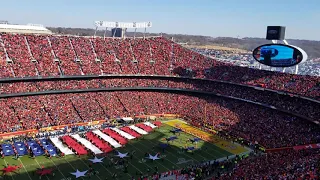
(232, 18)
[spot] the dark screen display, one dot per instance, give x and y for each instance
(278, 55)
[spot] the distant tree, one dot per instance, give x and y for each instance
(248, 43)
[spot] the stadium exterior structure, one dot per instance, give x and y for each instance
(24, 29)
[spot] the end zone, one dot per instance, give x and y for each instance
(231, 147)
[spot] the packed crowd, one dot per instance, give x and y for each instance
(238, 119)
(42, 55)
(304, 107)
(39, 55)
(289, 164)
(205, 170)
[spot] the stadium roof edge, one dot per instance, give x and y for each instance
(13, 28)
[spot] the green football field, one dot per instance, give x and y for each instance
(172, 158)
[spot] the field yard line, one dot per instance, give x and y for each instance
(207, 142)
(166, 151)
(203, 156)
(88, 167)
(174, 155)
(146, 163)
(70, 165)
(7, 165)
(213, 149)
(58, 168)
(126, 173)
(25, 169)
(106, 169)
(40, 167)
(136, 168)
(223, 155)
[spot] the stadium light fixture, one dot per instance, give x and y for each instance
(122, 25)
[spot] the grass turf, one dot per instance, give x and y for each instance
(173, 159)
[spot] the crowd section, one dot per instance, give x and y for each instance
(34, 55)
(105, 53)
(234, 118)
(17, 50)
(42, 53)
(290, 164)
(140, 48)
(304, 107)
(65, 55)
(85, 54)
(125, 55)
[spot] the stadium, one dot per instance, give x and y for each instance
(92, 107)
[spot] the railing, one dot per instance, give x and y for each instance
(88, 77)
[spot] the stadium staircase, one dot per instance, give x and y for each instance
(77, 60)
(152, 60)
(134, 60)
(56, 61)
(33, 60)
(97, 60)
(8, 60)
